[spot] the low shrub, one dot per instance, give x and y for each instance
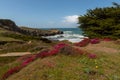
(83, 43)
(11, 71)
(42, 54)
(27, 61)
(23, 58)
(53, 52)
(61, 47)
(107, 39)
(95, 41)
(67, 50)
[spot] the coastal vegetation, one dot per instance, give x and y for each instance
(101, 22)
(90, 59)
(22, 39)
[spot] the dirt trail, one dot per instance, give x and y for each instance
(15, 54)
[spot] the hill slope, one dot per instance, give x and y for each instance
(9, 25)
(63, 67)
(17, 39)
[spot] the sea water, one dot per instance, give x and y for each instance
(71, 34)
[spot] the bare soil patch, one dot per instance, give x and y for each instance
(15, 54)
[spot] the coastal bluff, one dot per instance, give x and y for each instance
(41, 32)
(10, 25)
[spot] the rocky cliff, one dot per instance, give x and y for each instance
(40, 32)
(8, 24)
(11, 26)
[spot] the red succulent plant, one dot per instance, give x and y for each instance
(83, 43)
(95, 41)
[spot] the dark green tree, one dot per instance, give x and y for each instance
(101, 22)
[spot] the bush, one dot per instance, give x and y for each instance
(107, 39)
(21, 36)
(95, 41)
(11, 71)
(101, 22)
(67, 50)
(61, 47)
(83, 43)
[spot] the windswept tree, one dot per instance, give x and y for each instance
(101, 22)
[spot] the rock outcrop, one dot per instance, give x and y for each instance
(10, 25)
(55, 31)
(40, 32)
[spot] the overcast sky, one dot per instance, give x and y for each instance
(48, 13)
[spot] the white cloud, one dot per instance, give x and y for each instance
(71, 19)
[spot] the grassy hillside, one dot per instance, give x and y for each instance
(11, 41)
(67, 67)
(4, 38)
(59, 67)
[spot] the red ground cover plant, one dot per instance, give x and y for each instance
(107, 39)
(42, 54)
(22, 58)
(60, 45)
(25, 60)
(70, 50)
(83, 43)
(95, 41)
(53, 52)
(11, 71)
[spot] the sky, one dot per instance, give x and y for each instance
(48, 13)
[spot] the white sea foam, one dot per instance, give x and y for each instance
(68, 35)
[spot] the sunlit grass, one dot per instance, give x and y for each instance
(63, 67)
(68, 67)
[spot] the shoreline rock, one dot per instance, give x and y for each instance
(10, 25)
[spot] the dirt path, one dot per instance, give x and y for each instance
(15, 54)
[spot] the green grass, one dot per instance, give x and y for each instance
(34, 46)
(6, 60)
(6, 63)
(4, 38)
(6, 35)
(7, 66)
(7, 39)
(67, 67)
(16, 42)
(11, 41)
(63, 67)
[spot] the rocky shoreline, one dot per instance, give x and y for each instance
(10, 25)
(41, 32)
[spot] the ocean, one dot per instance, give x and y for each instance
(71, 34)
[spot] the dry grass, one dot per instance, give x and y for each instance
(34, 46)
(64, 67)
(8, 39)
(105, 47)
